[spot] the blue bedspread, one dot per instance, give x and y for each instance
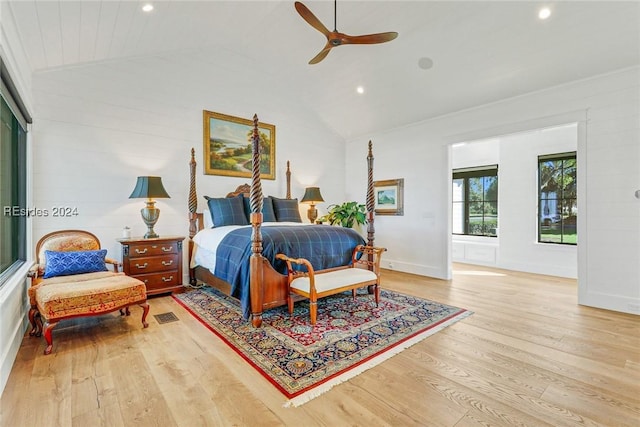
(324, 246)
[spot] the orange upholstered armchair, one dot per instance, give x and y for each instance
(71, 279)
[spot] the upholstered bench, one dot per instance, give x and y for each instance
(71, 280)
(364, 270)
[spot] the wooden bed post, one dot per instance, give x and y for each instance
(370, 198)
(371, 204)
(193, 216)
(256, 260)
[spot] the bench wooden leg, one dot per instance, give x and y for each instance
(48, 327)
(376, 291)
(313, 309)
(145, 311)
(290, 302)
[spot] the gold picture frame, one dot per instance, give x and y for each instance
(227, 146)
(389, 197)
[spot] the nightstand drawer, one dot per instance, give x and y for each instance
(156, 281)
(151, 249)
(144, 265)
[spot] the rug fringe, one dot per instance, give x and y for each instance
(317, 391)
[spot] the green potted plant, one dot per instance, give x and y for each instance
(346, 214)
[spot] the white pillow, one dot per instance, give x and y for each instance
(206, 216)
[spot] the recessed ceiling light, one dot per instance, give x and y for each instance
(147, 7)
(425, 63)
(544, 13)
(360, 90)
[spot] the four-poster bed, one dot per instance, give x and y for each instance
(267, 287)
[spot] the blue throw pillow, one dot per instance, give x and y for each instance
(286, 210)
(268, 215)
(74, 262)
(227, 211)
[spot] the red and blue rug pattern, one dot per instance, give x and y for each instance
(350, 335)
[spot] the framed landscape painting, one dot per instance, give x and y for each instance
(389, 197)
(227, 146)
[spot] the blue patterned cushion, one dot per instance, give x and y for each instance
(227, 211)
(74, 262)
(268, 215)
(286, 209)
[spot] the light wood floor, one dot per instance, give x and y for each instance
(528, 356)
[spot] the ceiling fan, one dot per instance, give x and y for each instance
(334, 38)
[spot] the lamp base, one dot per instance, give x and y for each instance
(150, 215)
(312, 214)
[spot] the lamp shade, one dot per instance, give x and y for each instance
(312, 195)
(149, 187)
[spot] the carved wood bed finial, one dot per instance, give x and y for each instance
(193, 198)
(288, 174)
(371, 203)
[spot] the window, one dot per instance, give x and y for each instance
(475, 201)
(557, 199)
(13, 179)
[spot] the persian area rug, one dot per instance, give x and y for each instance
(304, 361)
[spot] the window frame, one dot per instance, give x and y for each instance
(16, 148)
(561, 200)
(466, 174)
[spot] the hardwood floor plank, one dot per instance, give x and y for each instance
(529, 356)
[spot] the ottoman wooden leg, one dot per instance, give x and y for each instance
(145, 311)
(48, 326)
(36, 323)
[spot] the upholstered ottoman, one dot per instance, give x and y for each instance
(87, 294)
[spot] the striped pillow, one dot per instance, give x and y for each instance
(286, 209)
(227, 211)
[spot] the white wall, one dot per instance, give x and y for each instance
(98, 127)
(607, 109)
(13, 294)
(516, 246)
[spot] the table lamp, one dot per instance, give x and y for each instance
(149, 187)
(312, 196)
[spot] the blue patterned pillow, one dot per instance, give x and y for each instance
(286, 209)
(268, 215)
(74, 262)
(227, 211)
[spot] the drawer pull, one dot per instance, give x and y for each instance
(138, 251)
(164, 279)
(169, 249)
(146, 281)
(142, 266)
(165, 263)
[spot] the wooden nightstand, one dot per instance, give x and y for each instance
(157, 262)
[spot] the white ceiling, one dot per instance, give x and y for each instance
(482, 51)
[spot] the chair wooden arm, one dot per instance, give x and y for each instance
(33, 271)
(299, 261)
(296, 273)
(116, 264)
(370, 257)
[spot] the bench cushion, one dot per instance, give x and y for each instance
(85, 294)
(334, 279)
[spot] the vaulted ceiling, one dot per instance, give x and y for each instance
(481, 51)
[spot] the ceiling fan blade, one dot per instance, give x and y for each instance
(323, 54)
(310, 18)
(370, 38)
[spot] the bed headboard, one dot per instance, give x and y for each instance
(196, 221)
